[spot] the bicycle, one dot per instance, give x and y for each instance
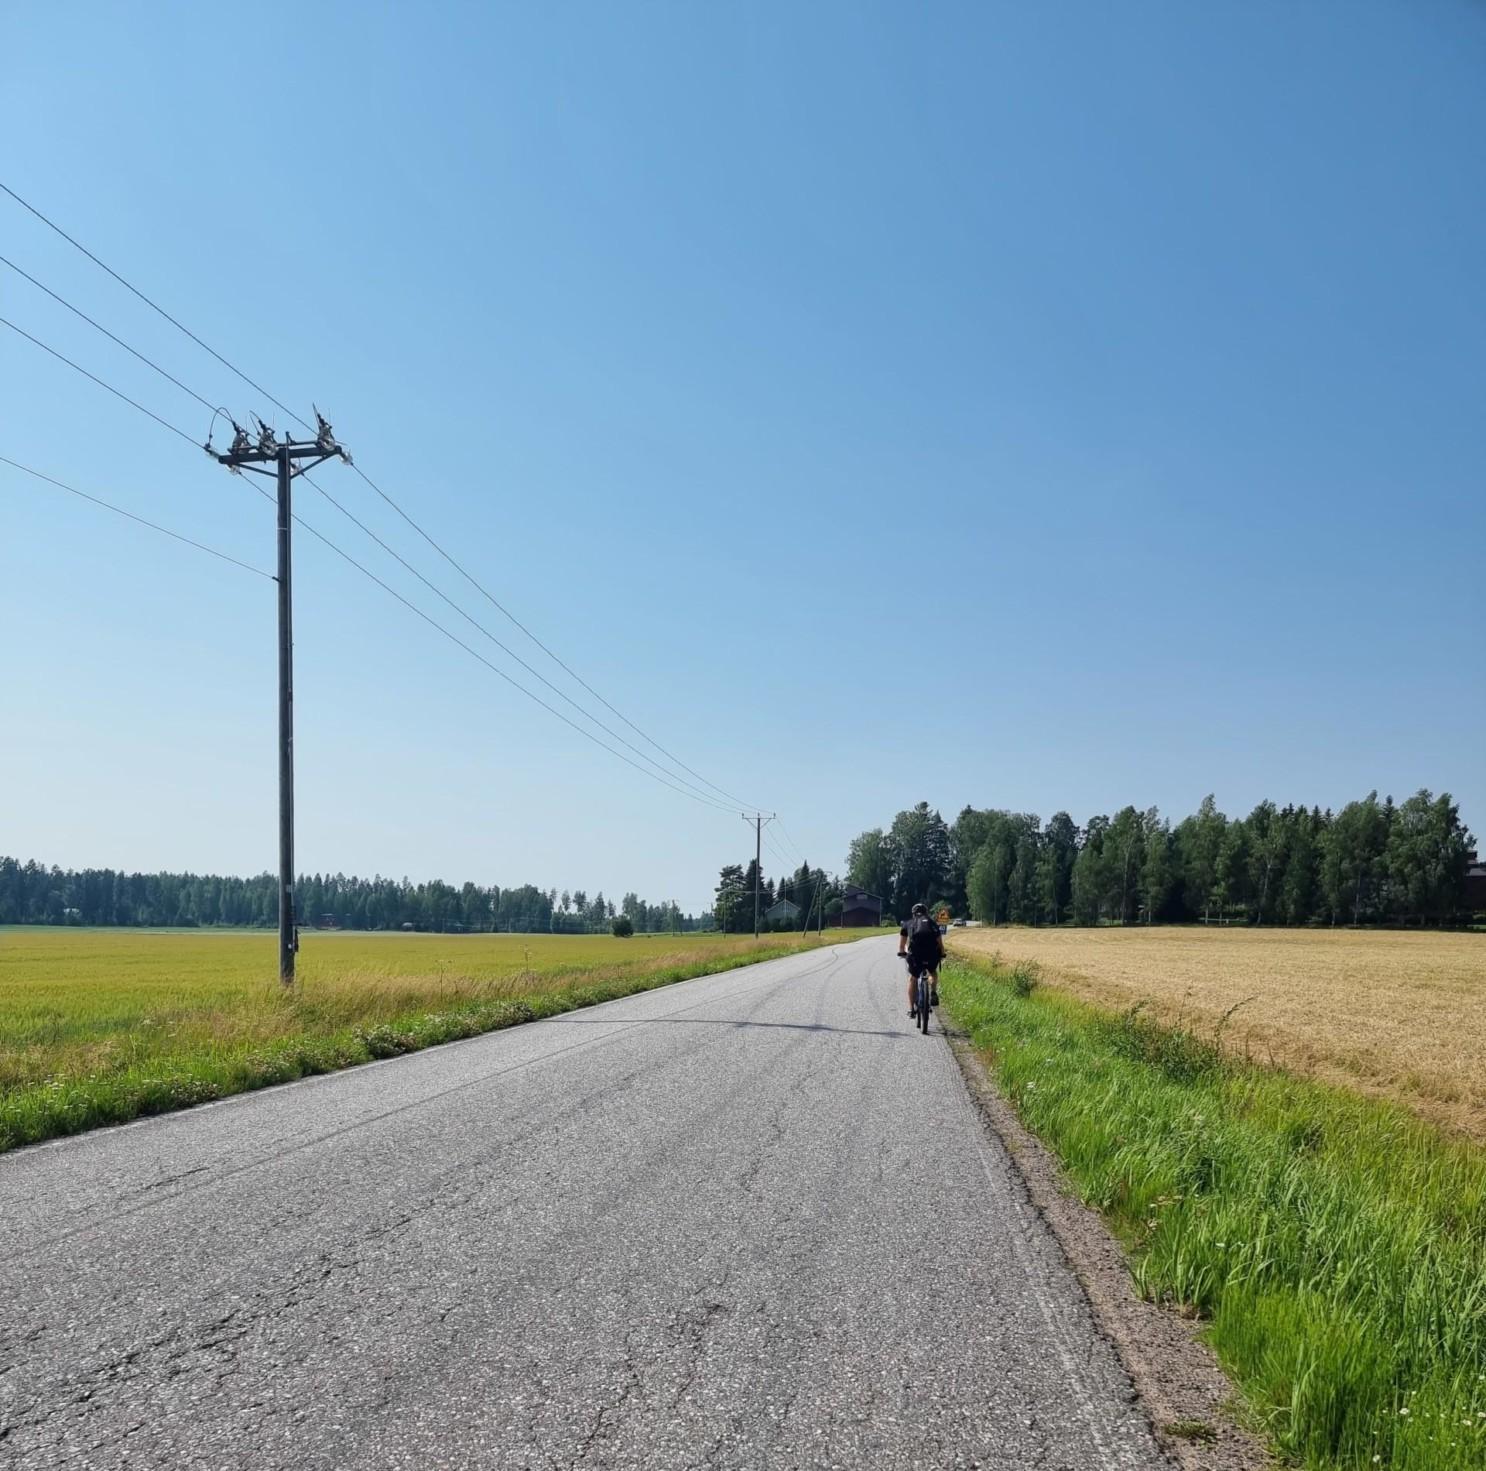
(922, 990)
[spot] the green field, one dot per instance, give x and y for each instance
(1334, 1245)
(101, 1026)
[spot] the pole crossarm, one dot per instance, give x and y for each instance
(294, 451)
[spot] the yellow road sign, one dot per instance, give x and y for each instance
(943, 916)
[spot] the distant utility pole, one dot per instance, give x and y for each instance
(250, 453)
(758, 820)
(814, 900)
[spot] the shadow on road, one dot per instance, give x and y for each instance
(686, 1021)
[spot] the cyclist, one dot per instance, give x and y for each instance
(922, 946)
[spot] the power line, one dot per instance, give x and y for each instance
(506, 648)
(494, 669)
(798, 854)
(816, 880)
(778, 852)
(257, 387)
(571, 673)
(791, 868)
(664, 781)
(101, 328)
(164, 423)
(232, 367)
(129, 515)
(154, 306)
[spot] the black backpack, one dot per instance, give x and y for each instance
(923, 935)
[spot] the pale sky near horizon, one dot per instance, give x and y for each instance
(1123, 366)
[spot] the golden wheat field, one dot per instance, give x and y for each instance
(1389, 1013)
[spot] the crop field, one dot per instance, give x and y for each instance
(100, 1026)
(1388, 1013)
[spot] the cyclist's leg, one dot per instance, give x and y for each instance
(912, 986)
(934, 985)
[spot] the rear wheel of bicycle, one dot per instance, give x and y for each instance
(923, 1005)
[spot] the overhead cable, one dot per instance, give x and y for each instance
(683, 791)
(503, 647)
(777, 851)
(205, 403)
(154, 306)
(570, 672)
(794, 845)
(494, 669)
(164, 423)
(140, 520)
(258, 387)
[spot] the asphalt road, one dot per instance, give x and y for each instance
(747, 1221)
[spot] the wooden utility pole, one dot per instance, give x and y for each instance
(758, 820)
(250, 454)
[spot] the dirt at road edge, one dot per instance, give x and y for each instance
(1180, 1384)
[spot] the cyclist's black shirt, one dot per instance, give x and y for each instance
(932, 954)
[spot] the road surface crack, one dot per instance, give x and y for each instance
(172, 1179)
(616, 1408)
(691, 1325)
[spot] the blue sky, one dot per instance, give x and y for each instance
(1036, 406)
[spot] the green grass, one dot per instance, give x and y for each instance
(103, 1026)
(1334, 1246)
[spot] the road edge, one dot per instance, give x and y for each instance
(1177, 1378)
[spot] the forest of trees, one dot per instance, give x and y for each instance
(33, 894)
(1371, 863)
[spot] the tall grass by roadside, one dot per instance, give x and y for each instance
(77, 1070)
(1334, 1245)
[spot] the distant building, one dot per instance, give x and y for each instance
(1475, 883)
(859, 909)
(784, 909)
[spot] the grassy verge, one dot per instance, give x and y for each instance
(161, 1062)
(1335, 1246)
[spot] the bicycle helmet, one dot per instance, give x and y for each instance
(920, 909)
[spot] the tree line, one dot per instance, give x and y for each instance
(1370, 863)
(811, 890)
(33, 894)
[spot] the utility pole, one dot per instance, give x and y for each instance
(758, 819)
(816, 898)
(248, 453)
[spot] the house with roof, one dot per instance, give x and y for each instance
(859, 909)
(1473, 891)
(785, 909)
